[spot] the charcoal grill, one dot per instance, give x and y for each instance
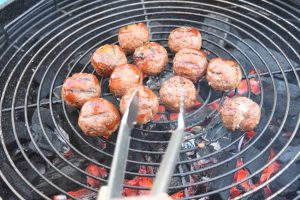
(55, 39)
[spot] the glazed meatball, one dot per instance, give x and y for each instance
(106, 58)
(184, 37)
(190, 63)
(148, 104)
(133, 36)
(124, 77)
(151, 58)
(223, 75)
(240, 113)
(79, 88)
(98, 117)
(172, 89)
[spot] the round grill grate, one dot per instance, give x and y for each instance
(56, 39)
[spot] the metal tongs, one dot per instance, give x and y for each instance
(117, 173)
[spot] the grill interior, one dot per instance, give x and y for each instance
(46, 151)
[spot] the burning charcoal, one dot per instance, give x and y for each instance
(57, 92)
(204, 151)
(96, 142)
(175, 181)
(21, 131)
(217, 132)
(42, 142)
(61, 181)
(105, 86)
(53, 135)
(285, 178)
(26, 169)
(154, 82)
(44, 92)
(95, 171)
(137, 181)
(256, 164)
(215, 23)
(225, 181)
(197, 129)
(178, 195)
(257, 195)
(82, 194)
(81, 62)
(189, 143)
(46, 118)
(289, 153)
(16, 182)
(262, 52)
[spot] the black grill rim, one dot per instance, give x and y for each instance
(180, 174)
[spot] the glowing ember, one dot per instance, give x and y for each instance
(173, 116)
(106, 137)
(95, 171)
(240, 175)
(254, 85)
(243, 174)
(137, 181)
(250, 134)
(215, 105)
(80, 194)
(159, 115)
(178, 195)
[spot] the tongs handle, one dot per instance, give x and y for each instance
(167, 166)
(117, 173)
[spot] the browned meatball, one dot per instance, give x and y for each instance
(124, 77)
(133, 36)
(106, 58)
(240, 113)
(223, 74)
(172, 89)
(184, 37)
(79, 88)
(98, 117)
(148, 104)
(190, 63)
(151, 58)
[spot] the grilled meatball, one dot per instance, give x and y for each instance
(148, 104)
(79, 88)
(171, 90)
(98, 117)
(240, 113)
(151, 58)
(184, 37)
(106, 58)
(124, 77)
(190, 63)
(223, 75)
(133, 36)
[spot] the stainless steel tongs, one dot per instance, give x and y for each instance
(117, 173)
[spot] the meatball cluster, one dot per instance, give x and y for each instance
(100, 117)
